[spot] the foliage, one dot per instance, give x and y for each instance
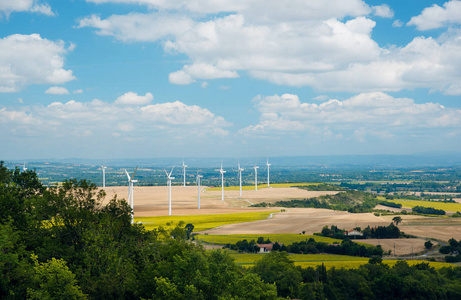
(281, 238)
(351, 201)
(390, 204)
(428, 210)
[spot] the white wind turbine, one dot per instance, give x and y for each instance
(198, 184)
(168, 175)
(103, 177)
(184, 172)
(130, 192)
(268, 167)
(256, 177)
(222, 182)
(24, 167)
(240, 178)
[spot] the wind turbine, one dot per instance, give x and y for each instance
(168, 175)
(103, 177)
(222, 182)
(130, 192)
(24, 167)
(184, 172)
(240, 178)
(256, 177)
(268, 167)
(198, 183)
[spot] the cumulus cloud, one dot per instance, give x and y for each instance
(327, 45)
(377, 114)
(31, 59)
(383, 11)
(57, 90)
(436, 16)
(104, 119)
(131, 98)
(8, 6)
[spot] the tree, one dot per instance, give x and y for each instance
(397, 220)
(189, 228)
(428, 245)
(53, 280)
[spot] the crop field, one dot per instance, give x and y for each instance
(203, 222)
(287, 239)
(261, 186)
(436, 205)
(337, 261)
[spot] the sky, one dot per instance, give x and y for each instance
(216, 78)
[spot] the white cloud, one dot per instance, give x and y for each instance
(57, 90)
(327, 45)
(131, 98)
(383, 11)
(397, 23)
(9, 6)
(30, 59)
(138, 27)
(377, 114)
(436, 16)
(79, 91)
(103, 119)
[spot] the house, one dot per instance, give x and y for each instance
(354, 233)
(263, 248)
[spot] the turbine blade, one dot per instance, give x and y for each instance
(128, 175)
(171, 171)
(134, 173)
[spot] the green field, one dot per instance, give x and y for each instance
(261, 186)
(203, 222)
(436, 205)
(329, 260)
(284, 238)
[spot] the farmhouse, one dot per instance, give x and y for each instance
(354, 233)
(263, 248)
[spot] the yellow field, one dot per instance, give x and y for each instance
(284, 238)
(337, 261)
(261, 186)
(203, 222)
(436, 205)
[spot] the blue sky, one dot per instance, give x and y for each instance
(155, 78)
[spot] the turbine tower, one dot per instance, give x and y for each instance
(103, 177)
(222, 182)
(268, 167)
(198, 184)
(24, 167)
(256, 177)
(169, 189)
(130, 191)
(184, 172)
(240, 178)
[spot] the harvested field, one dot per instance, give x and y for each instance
(402, 246)
(296, 220)
(153, 200)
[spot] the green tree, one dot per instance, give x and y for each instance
(428, 245)
(53, 280)
(277, 268)
(397, 220)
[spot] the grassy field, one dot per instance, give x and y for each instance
(203, 222)
(436, 205)
(337, 261)
(285, 238)
(261, 186)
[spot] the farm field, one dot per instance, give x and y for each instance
(203, 222)
(280, 238)
(437, 205)
(152, 201)
(337, 261)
